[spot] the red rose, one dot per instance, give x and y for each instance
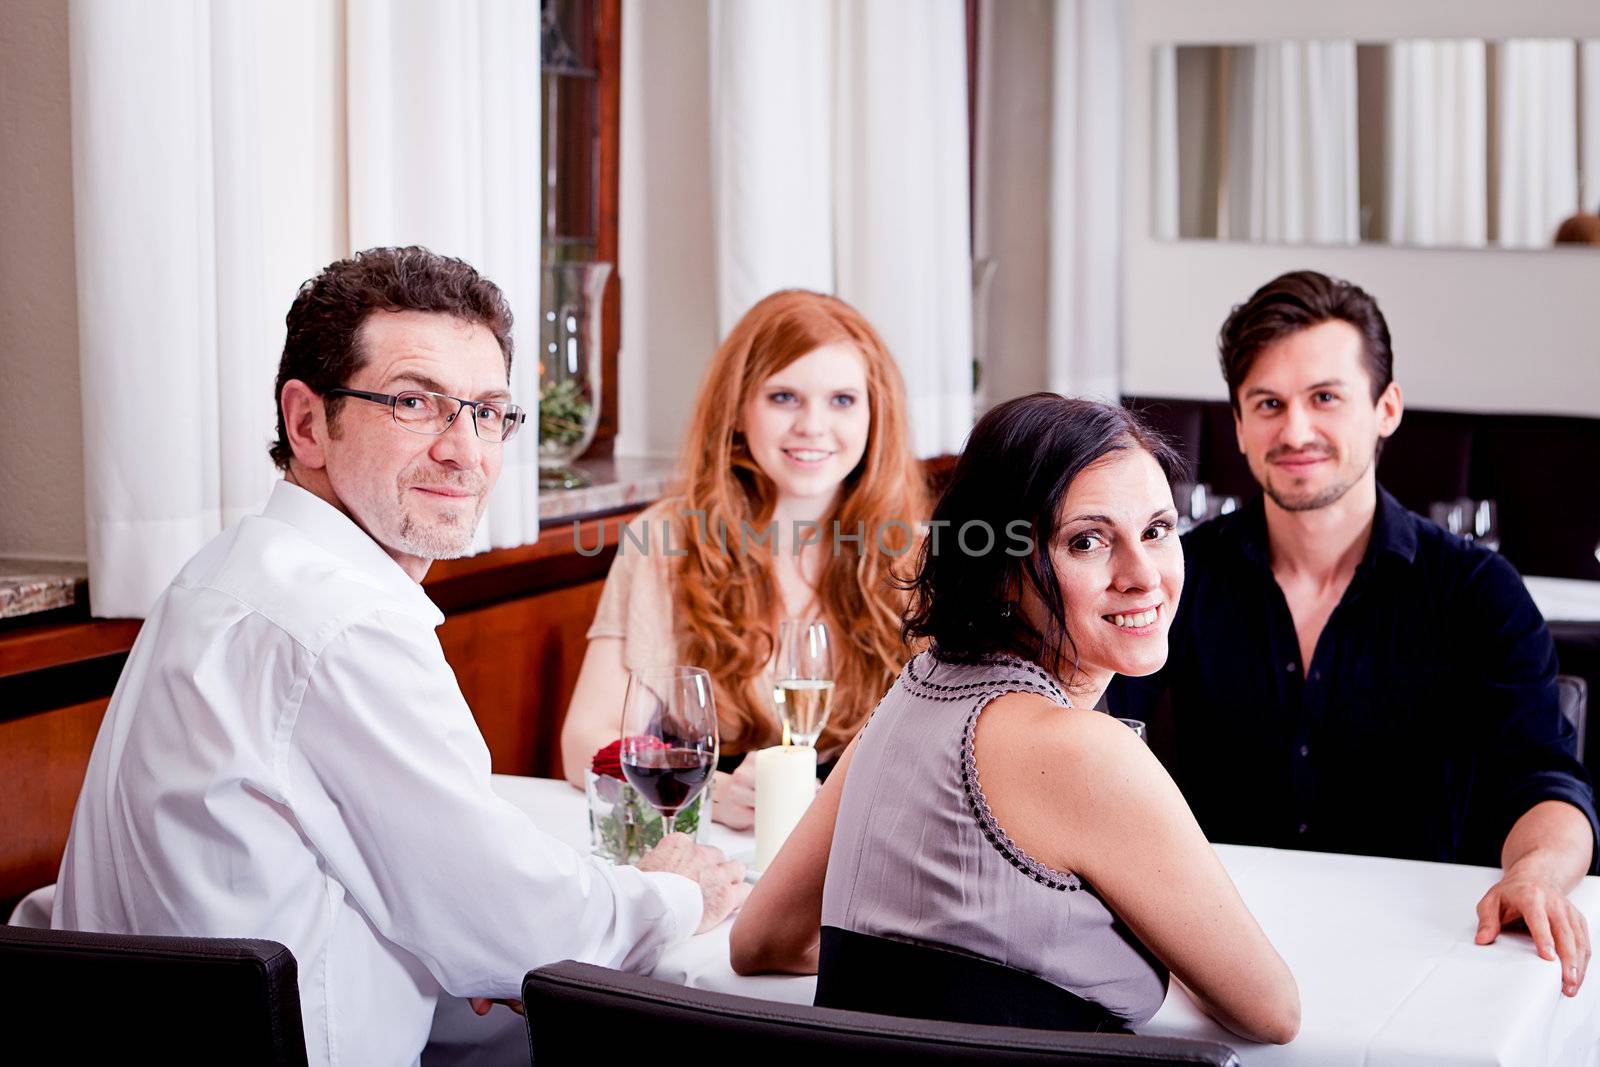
(608, 761)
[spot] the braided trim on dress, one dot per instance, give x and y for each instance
(1031, 677)
(1013, 853)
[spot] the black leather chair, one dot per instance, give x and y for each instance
(1573, 694)
(113, 998)
(939, 983)
(575, 1008)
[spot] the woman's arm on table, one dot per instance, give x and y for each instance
(780, 927)
(594, 718)
(1084, 794)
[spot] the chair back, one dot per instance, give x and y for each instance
(575, 1007)
(1573, 693)
(112, 998)
(862, 972)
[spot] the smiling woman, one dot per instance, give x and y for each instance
(800, 494)
(986, 808)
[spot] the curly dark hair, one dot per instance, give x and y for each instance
(1015, 471)
(323, 344)
(1293, 302)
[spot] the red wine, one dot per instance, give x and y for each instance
(667, 777)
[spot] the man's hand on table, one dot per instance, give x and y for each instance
(1558, 928)
(1546, 853)
(735, 802)
(483, 1005)
(721, 880)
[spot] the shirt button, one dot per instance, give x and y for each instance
(1303, 828)
(1305, 750)
(1290, 667)
(1316, 676)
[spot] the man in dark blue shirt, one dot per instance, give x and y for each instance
(1345, 676)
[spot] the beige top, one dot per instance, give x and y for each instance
(636, 604)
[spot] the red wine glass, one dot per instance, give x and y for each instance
(669, 737)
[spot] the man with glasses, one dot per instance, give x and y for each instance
(288, 755)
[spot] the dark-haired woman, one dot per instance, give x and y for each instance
(986, 812)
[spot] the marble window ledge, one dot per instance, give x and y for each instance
(30, 586)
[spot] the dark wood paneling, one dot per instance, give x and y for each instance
(608, 60)
(44, 760)
(517, 663)
(38, 647)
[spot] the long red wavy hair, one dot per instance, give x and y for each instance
(727, 600)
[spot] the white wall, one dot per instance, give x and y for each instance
(1477, 331)
(669, 322)
(41, 424)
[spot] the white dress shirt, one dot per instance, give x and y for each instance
(287, 755)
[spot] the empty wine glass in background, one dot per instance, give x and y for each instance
(1190, 498)
(1197, 502)
(1474, 520)
(669, 737)
(802, 681)
(1486, 524)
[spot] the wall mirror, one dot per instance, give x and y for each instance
(1430, 143)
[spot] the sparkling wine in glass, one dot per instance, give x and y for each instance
(669, 737)
(803, 679)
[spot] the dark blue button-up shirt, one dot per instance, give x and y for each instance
(1424, 726)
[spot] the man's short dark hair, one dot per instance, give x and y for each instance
(322, 345)
(1297, 301)
(1018, 464)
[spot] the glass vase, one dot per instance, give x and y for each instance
(569, 368)
(622, 824)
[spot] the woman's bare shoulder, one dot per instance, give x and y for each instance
(1077, 749)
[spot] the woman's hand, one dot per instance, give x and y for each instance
(734, 804)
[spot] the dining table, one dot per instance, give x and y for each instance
(1565, 599)
(1383, 951)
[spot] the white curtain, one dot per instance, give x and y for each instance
(772, 150)
(1589, 132)
(1086, 208)
(839, 155)
(209, 178)
(443, 121)
(176, 336)
(1436, 135)
(1536, 119)
(1292, 167)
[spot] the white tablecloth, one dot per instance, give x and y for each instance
(1565, 599)
(1382, 950)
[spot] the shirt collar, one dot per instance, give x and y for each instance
(335, 532)
(1394, 533)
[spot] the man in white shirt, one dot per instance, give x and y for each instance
(287, 754)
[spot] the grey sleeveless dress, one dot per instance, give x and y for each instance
(918, 856)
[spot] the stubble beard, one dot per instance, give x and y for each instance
(443, 538)
(1328, 497)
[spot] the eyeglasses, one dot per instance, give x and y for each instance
(433, 413)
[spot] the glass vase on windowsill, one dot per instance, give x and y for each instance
(570, 344)
(622, 824)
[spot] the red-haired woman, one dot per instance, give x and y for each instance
(801, 420)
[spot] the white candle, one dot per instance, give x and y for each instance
(786, 782)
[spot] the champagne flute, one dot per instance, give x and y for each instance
(669, 737)
(803, 680)
(1137, 726)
